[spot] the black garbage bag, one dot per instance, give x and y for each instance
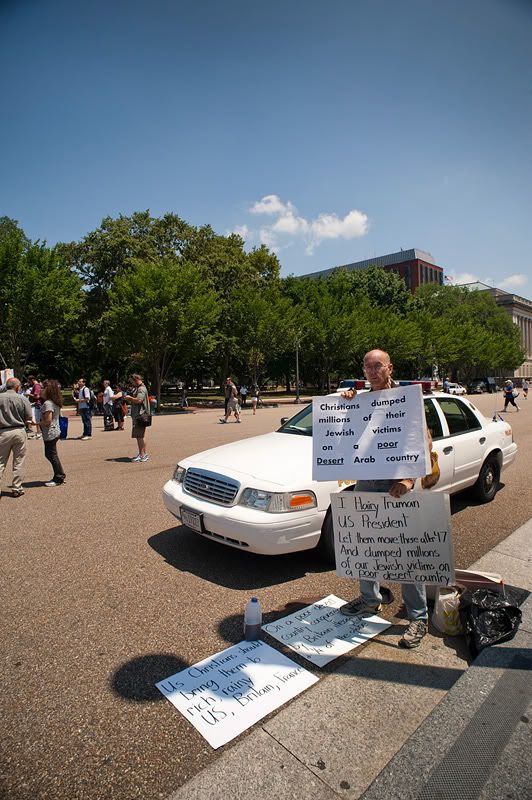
(487, 618)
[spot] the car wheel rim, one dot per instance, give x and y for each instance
(489, 479)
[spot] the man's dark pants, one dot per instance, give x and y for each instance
(87, 421)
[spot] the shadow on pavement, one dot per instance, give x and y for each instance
(135, 680)
(120, 459)
(225, 566)
(466, 499)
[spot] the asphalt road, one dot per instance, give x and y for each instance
(103, 595)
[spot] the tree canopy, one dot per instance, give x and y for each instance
(176, 300)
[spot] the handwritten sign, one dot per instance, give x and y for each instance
(376, 435)
(225, 694)
(320, 633)
(406, 539)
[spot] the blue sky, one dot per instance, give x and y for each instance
(331, 131)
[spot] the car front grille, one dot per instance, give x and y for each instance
(210, 486)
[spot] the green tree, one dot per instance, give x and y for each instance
(41, 300)
(162, 314)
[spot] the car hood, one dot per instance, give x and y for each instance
(273, 460)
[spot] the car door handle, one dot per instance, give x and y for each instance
(448, 450)
(482, 440)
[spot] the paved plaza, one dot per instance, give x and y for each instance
(105, 594)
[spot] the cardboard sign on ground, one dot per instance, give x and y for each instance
(374, 436)
(225, 694)
(320, 633)
(383, 538)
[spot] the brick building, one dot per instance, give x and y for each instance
(416, 267)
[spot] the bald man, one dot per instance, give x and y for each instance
(378, 370)
(15, 419)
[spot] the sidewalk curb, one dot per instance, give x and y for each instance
(274, 758)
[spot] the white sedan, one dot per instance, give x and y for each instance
(456, 388)
(258, 494)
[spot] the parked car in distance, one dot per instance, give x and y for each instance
(479, 385)
(258, 494)
(353, 383)
(456, 388)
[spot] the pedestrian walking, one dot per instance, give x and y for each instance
(524, 387)
(255, 394)
(15, 420)
(51, 432)
(232, 406)
(510, 395)
(243, 395)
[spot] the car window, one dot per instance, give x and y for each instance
(300, 424)
(433, 420)
(459, 417)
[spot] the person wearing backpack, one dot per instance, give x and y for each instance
(84, 407)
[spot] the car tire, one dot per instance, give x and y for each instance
(325, 546)
(487, 483)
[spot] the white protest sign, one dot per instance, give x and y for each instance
(406, 539)
(320, 633)
(376, 435)
(225, 694)
(5, 374)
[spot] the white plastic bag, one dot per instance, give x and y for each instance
(445, 616)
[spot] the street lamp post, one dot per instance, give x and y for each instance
(297, 400)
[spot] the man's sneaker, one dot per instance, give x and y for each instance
(137, 458)
(53, 483)
(413, 635)
(145, 458)
(222, 419)
(17, 492)
(359, 607)
(84, 438)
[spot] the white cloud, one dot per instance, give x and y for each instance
(271, 204)
(513, 282)
(243, 231)
(312, 232)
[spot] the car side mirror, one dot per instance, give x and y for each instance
(284, 419)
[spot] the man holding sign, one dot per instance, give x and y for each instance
(378, 371)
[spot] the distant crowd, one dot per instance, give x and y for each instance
(33, 409)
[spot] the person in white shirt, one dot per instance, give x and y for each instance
(83, 403)
(108, 422)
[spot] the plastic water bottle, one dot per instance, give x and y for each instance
(252, 619)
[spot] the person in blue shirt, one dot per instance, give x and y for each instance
(509, 395)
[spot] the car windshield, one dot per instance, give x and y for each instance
(301, 424)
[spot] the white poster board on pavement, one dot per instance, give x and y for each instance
(225, 694)
(320, 633)
(406, 539)
(376, 435)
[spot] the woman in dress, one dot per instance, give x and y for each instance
(50, 412)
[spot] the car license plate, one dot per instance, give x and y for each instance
(192, 520)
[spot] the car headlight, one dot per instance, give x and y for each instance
(179, 474)
(277, 502)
